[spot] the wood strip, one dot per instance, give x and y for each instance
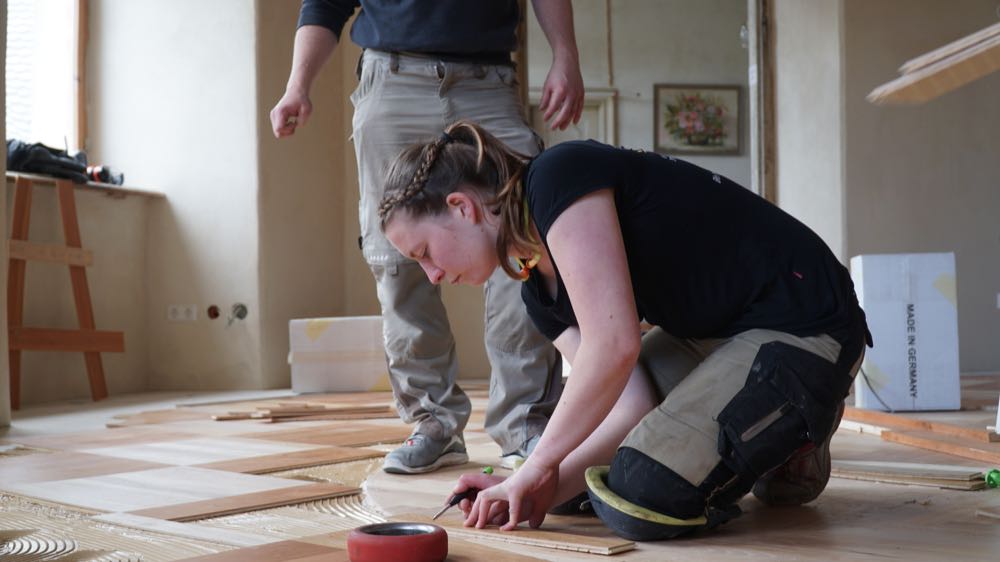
(916, 470)
(990, 513)
(50, 253)
(20, 222)
(886, 419)
(950, 49)
(50, 339)
(969, 486)
(82, 38)
(986, 452)
(291, 551)
(321, 410)
(329, 417)
(940, 77)
(532, 537)
(81, 292)
(295, 459)
(359, 436)
(243, 503)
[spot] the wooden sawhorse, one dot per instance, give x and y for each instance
(87, 339)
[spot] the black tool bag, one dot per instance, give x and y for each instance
(40, 159)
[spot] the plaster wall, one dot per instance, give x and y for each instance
(926, 178)
(647, 42)
(809, 116)
(172, 102)
(302, 192)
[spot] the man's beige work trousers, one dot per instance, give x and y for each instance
(400, 100)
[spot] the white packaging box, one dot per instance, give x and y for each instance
(910, 303)
(344, 354)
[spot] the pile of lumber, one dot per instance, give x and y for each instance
(976, 443)
(915, 474)
(307, 411)
(943, 70)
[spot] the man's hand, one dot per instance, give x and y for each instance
(292, 110)
(562, 94)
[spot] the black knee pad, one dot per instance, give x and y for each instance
(642, 500)
(639, 479)
(790, 399)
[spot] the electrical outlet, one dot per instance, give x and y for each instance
(182, 312)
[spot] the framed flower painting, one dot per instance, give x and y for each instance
(693, 119)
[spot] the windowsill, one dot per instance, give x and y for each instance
(114, 191)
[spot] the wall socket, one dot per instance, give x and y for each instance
(182, 312)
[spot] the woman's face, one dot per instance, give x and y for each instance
(457, 246)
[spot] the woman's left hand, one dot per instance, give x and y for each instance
(525, 496)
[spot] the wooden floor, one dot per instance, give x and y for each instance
(167, 465)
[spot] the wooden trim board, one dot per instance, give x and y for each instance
(942, 76)
(292, 460)
(243, 503)
(50, 339)
(533, 537)
(936, 476)
(986, 452)
(887, 420)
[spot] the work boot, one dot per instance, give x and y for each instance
(577, 505)
(803, 477)
(516, 459)
(420, 454)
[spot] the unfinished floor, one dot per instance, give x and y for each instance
(74, 489)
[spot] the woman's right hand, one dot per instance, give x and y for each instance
(474, 481)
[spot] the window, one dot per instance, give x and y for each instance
(43, 67)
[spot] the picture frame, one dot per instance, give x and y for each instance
(697, 119)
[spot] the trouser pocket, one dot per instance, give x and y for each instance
(789, 399)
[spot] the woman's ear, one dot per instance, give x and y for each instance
(463, 206)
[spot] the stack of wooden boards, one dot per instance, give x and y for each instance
(916, 474)
(965, 435)
(943, 70)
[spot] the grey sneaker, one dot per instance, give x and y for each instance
(802, 478)
(420, 454)
(514, 460)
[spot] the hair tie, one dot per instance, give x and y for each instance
(445, 138)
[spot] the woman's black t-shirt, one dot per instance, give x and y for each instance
(707, 257)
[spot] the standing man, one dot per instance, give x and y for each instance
(425, 65)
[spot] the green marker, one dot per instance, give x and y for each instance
(992, 478)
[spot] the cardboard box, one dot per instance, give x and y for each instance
(910, 302)
(344, 354)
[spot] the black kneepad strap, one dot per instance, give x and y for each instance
(789, 399)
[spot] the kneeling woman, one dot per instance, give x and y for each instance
(739, 386)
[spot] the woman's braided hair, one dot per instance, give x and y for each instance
(465, 157)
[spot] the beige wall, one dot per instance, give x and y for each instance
(872, 179)
(925, 178)
(809, 115)
(655, 41)
(301, 203)
(172, 102)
